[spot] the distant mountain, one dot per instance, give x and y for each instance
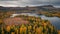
(45, 7)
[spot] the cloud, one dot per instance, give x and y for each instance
(28, 2)
(8, 0)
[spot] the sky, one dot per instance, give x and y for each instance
(22, 3)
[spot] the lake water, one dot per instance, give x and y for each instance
(55, 21)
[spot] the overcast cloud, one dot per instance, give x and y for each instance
(14, 3)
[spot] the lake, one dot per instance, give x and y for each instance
(55, 21)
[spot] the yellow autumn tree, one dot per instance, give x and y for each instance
(8, 28)
(23, 29)
(12, 32)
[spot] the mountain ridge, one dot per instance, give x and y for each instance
(44, 7)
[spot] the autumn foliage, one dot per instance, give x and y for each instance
(36, 26)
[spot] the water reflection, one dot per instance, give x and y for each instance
(55, 21)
